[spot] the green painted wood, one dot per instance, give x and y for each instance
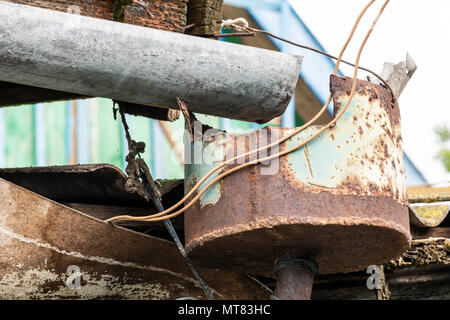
(211, 121)
(55, 133)
(19, 140)
(106, 137)
(241, 126)
(174, 169)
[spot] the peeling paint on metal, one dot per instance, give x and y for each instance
(350, 159)
(205, 155)
(341, 198)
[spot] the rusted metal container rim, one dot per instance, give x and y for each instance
(264, 223)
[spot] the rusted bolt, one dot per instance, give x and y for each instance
(295, 278)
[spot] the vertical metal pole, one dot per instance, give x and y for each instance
(294, 283)
(295, 278)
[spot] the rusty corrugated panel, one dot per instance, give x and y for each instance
(88, 183)
(97, 190)
(342, 199)
(40, 239)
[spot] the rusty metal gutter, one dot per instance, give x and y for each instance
(92, 57)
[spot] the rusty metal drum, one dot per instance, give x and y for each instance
(340, 199)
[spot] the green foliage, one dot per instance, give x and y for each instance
(443, 155)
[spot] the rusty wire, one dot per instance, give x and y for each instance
(140, 179)
(325, 54)
(163, 215)
(250, 32)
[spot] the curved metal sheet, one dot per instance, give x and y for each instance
(41, 241)
(427, 215)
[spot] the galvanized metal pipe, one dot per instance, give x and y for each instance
(93, 57)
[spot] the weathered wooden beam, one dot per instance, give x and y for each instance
(425, 233)
(425, 283)
(150, 112)
(428, 194)
(13, 94)
(167, 15)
